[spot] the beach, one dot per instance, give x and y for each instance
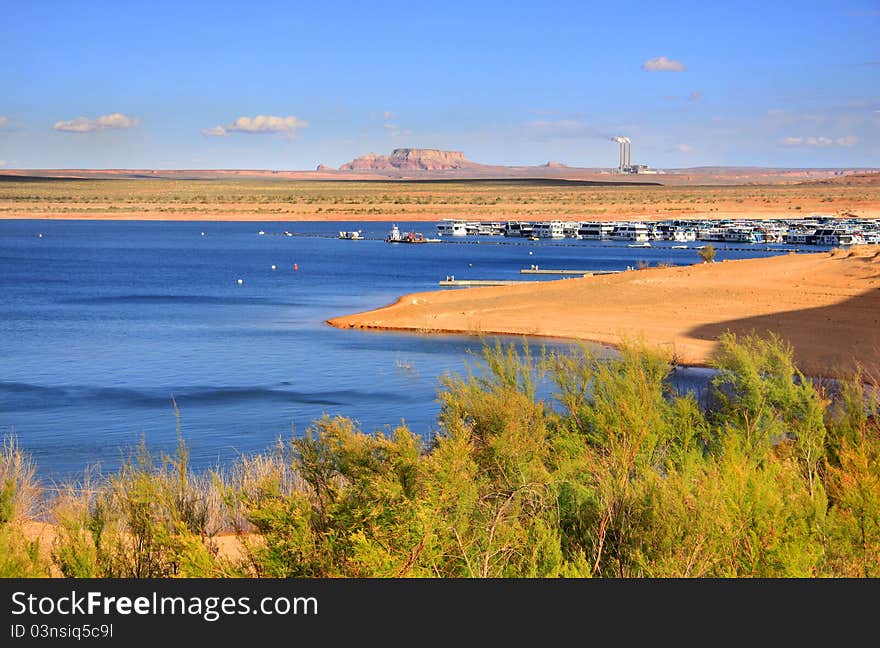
(826, 305)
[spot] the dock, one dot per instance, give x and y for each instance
(582, 273)
(481, 282)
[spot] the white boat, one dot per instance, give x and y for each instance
(639, 245)
(711, 234)
(684, 236)
(743, 235)
(570, 229)
(637, 232)
(596, 231)
(801, 236)
(679, 247)
(837, 236)
(451, 228)
(773, 234)
(549, 229)
(354, 235)
(488, 229)
(396, 236)
(516, 228)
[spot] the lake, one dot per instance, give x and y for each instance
(104, 325)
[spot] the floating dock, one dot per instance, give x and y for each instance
(581, 273)
(482, 282)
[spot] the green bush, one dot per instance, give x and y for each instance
(564, 464)
(707, 253)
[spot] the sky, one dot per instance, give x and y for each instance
(287, 85)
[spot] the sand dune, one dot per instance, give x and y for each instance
(826, 305)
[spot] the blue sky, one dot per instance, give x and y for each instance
(290, 85)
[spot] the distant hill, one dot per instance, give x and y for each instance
(410, 159)
(849, 179)
(419, 164)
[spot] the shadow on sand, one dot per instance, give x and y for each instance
(828, 340)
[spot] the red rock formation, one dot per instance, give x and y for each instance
(411, 160)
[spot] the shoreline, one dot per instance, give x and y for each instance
(827, 305)
(737, 214)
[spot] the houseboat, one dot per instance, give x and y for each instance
(451, 228)
(516, 228)
(549, 229)
(834, 236)
(595, 231)
(637, 232)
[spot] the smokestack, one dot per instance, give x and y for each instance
(625, 152)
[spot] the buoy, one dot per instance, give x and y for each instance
(470, 265)
(530, 252)
(261, 233)
(240, 281)
(40, 235)
(203, 233)
(295, 266)
(273, 266)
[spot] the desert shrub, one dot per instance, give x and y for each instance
(19, 504)
(568, 463)
(490, 472)
(353, 511)
(707, 253)
(620, 430)
(20, 494)
(150, 519)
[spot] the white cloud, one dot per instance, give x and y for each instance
(3, 163)
(684, 148)
(3, 121)
(88, 125)
(387, 115)
(216, 131)
(258, 125)
(662, 64)
(820, 141)
(266, 124)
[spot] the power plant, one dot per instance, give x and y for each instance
(625, 153)
(625, 164)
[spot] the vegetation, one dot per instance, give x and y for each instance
(707, 253)
(614, 474)
(282, 199)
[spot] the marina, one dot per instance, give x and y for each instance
(814, 230)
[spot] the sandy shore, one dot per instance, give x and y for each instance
(228, 545)
(826, 305)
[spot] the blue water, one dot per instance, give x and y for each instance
(103, 323)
